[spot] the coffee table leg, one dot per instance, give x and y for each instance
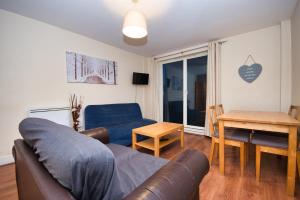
(156, 146)
(133, 140)
(182, 138)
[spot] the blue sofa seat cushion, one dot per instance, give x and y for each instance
(122, 133)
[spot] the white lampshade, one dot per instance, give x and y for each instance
(134, 25)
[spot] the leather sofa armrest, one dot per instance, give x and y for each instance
(100, 134)
(177, 180)
(33, 179)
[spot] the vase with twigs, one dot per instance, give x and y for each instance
(75, 110)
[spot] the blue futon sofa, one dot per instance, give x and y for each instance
(119, 119)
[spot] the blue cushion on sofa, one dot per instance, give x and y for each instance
(82, 164)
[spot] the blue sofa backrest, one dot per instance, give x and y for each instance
(111, 114)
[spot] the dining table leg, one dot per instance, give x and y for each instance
(221, 147)
(291, 173)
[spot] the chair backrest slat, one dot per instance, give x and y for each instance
(219, 109)
(294, 111)
(213, 113)
(212, 116)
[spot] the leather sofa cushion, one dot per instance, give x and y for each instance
(134, 167)
(82, 164)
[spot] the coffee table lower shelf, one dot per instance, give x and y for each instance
(166, 140)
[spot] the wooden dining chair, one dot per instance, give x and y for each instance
(232, 138)
(274, 143)
(220, 111)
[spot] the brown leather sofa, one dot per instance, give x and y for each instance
(178, 180)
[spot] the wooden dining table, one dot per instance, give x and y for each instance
(265, 121)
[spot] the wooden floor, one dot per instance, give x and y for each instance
(214, 186)
(8, 187)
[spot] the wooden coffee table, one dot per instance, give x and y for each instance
(161, 134)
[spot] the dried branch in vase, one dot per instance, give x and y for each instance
(75, 110)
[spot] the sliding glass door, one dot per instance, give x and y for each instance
(173, 92)
(184, 92)
(196, 91)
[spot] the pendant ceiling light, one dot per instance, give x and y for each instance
(134, 25)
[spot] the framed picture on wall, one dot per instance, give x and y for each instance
(86, 69)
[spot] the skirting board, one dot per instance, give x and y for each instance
(194, 131)
(7, 159)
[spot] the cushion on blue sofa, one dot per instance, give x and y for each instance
(82, 164)
(119, 119)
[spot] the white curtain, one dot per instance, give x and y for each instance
(154, 94)
(158, 94)
(213, 96)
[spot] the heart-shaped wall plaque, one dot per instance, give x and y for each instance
(250, 73)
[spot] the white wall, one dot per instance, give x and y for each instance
(33, 72)
(296, 55)
(265, 92)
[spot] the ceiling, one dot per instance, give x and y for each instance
(172, 24)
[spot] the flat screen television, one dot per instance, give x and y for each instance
(140, 78)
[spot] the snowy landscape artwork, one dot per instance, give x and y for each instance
(86, 69)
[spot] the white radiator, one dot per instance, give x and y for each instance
(61, 115)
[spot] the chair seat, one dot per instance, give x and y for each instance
(271, 140)
(237, 135)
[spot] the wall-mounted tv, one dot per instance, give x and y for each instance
(140, 78)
